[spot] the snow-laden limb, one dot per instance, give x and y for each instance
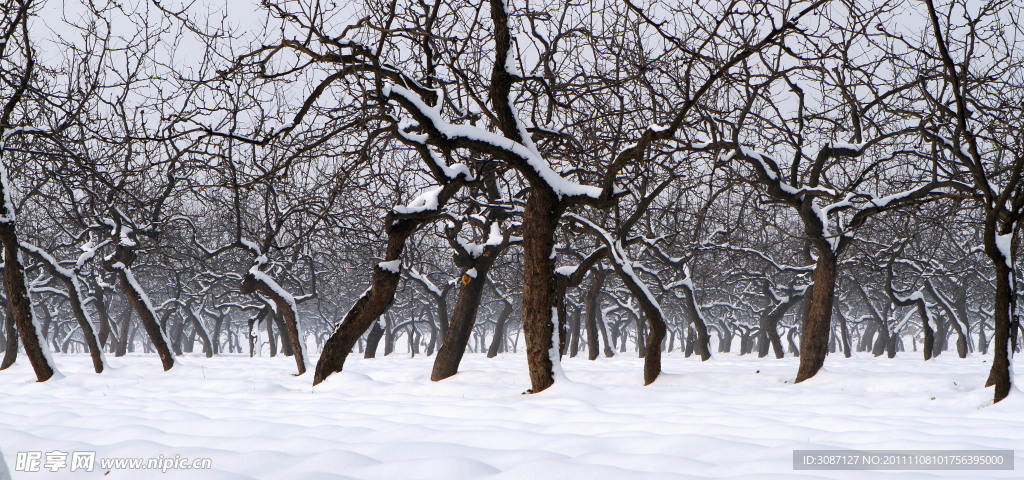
(624, 267)
(136, 290)
(414, 274)
(782, 267)
(393, 266)
(72, 282)
(435, 161)
(618, 256)
(903, 323)
(257, 280)
(471, 136)
(566, 271)
(854, 148)
(52, 290)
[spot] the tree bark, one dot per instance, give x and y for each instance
(145, 312)
(18, 299)
(11, 352)
(122, 335)
(70, 280)
(814, 341)
(593, 310)
(692, 310)
(846, 333)
(286, 338)
(103, 313)
(373, 340)
(954, 319)
(574, 346)
(769, 327)
(389, 334)
(217, 325)
(499, 330)
(446, 363)
(199, 330)
(449, 356)
(941, 334)
(120, 262)
(372, 304)
(540, 219)
(286, 309)
(651, 348)
(95, 350)
(641, 344)
(999, 375)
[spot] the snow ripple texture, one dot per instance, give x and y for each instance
(383, 418)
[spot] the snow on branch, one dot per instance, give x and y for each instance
(478, 138)
(618, 255)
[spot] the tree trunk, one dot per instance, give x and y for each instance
(285, 309)
(814, 342)
(540, 219)
(955, 319)
(190, 341)
(693, 311)
(131, 340)
(389, 335)
(941, 333)
(690, 341)
(75, 298)
(103, 313)
(140, 302)
(217, 325)
(574, 344)
(769, 325)
(499, 330)
(929, 333)
(432, 344)
(442, 314)
(593, 310)
(792, 343)
(18, 300)
(287, 348)
(11, 352)
(882, 340)
(446, 363)
(122, 334)
(726, 335)
(650, 349)
(372, 304)
(44, 329)
(982, 341)
(609, 350)
(198, 329)
(641, 345)
(844, 329)
(253, 323)
(1000, 375)
(373, 340)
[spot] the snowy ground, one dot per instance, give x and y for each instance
(384, 419)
